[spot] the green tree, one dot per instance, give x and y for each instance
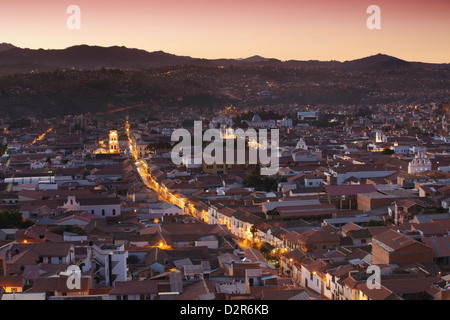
(3, 148)
(373, 223)
(259, 183)
(69, 228)
(10, 219)
(269, 184)
(158, 145)
(252, 181)
(253, 231)
(388, 151)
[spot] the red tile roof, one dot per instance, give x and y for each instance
(193, 291)
(313, 236)
(443, 222)
(12, 281)
(45, 249)
(306, 211)
(378, 294)
(349, 190)
(440, 245)
(135, 287)
(410, 285)
(430, 229)
(395, 240)
(58, 284)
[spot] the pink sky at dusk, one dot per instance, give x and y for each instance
(414, 30)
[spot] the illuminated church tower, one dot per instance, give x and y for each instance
(113, 142)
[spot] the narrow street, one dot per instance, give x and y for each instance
(142, 168)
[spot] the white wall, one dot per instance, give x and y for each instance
(363, 174)
(211, 244)
(98, 210)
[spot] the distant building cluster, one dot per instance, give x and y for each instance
(353, 191)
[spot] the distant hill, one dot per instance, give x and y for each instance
(379, 61)
(91, 57)
(6, 46)
(257, 59)
(95, 57)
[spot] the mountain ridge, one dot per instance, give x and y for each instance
(93, 57)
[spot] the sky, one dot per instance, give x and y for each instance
(413, 30)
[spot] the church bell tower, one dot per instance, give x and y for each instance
(113, 142)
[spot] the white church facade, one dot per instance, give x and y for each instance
(419, 164)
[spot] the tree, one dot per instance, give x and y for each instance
(158, 145)
(252, 181)
(242, 124)
(388, 151)
(253, 231)
(3, 148)
(269, 184)
(69, 228)
(49, 162)
(11, 219)
(271, 214)
(373, 223)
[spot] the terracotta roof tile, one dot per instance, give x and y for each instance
(135, 287)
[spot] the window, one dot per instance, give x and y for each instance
(114, 212)
(103, 212)
(324, 247)
(363, 240)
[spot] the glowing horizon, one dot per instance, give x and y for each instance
(286, 30)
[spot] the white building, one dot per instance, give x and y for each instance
(401, 149)
(301, 155)
(301, 144)
(380, 137)
(108, 263)
(102, 207)
(221, 121)
(161, 209)
(419, 164)
(312, 181)
(308, 115)
(285, 122)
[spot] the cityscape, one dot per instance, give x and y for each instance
(128, 174)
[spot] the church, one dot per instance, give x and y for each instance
(419, 164)
(113, 144)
